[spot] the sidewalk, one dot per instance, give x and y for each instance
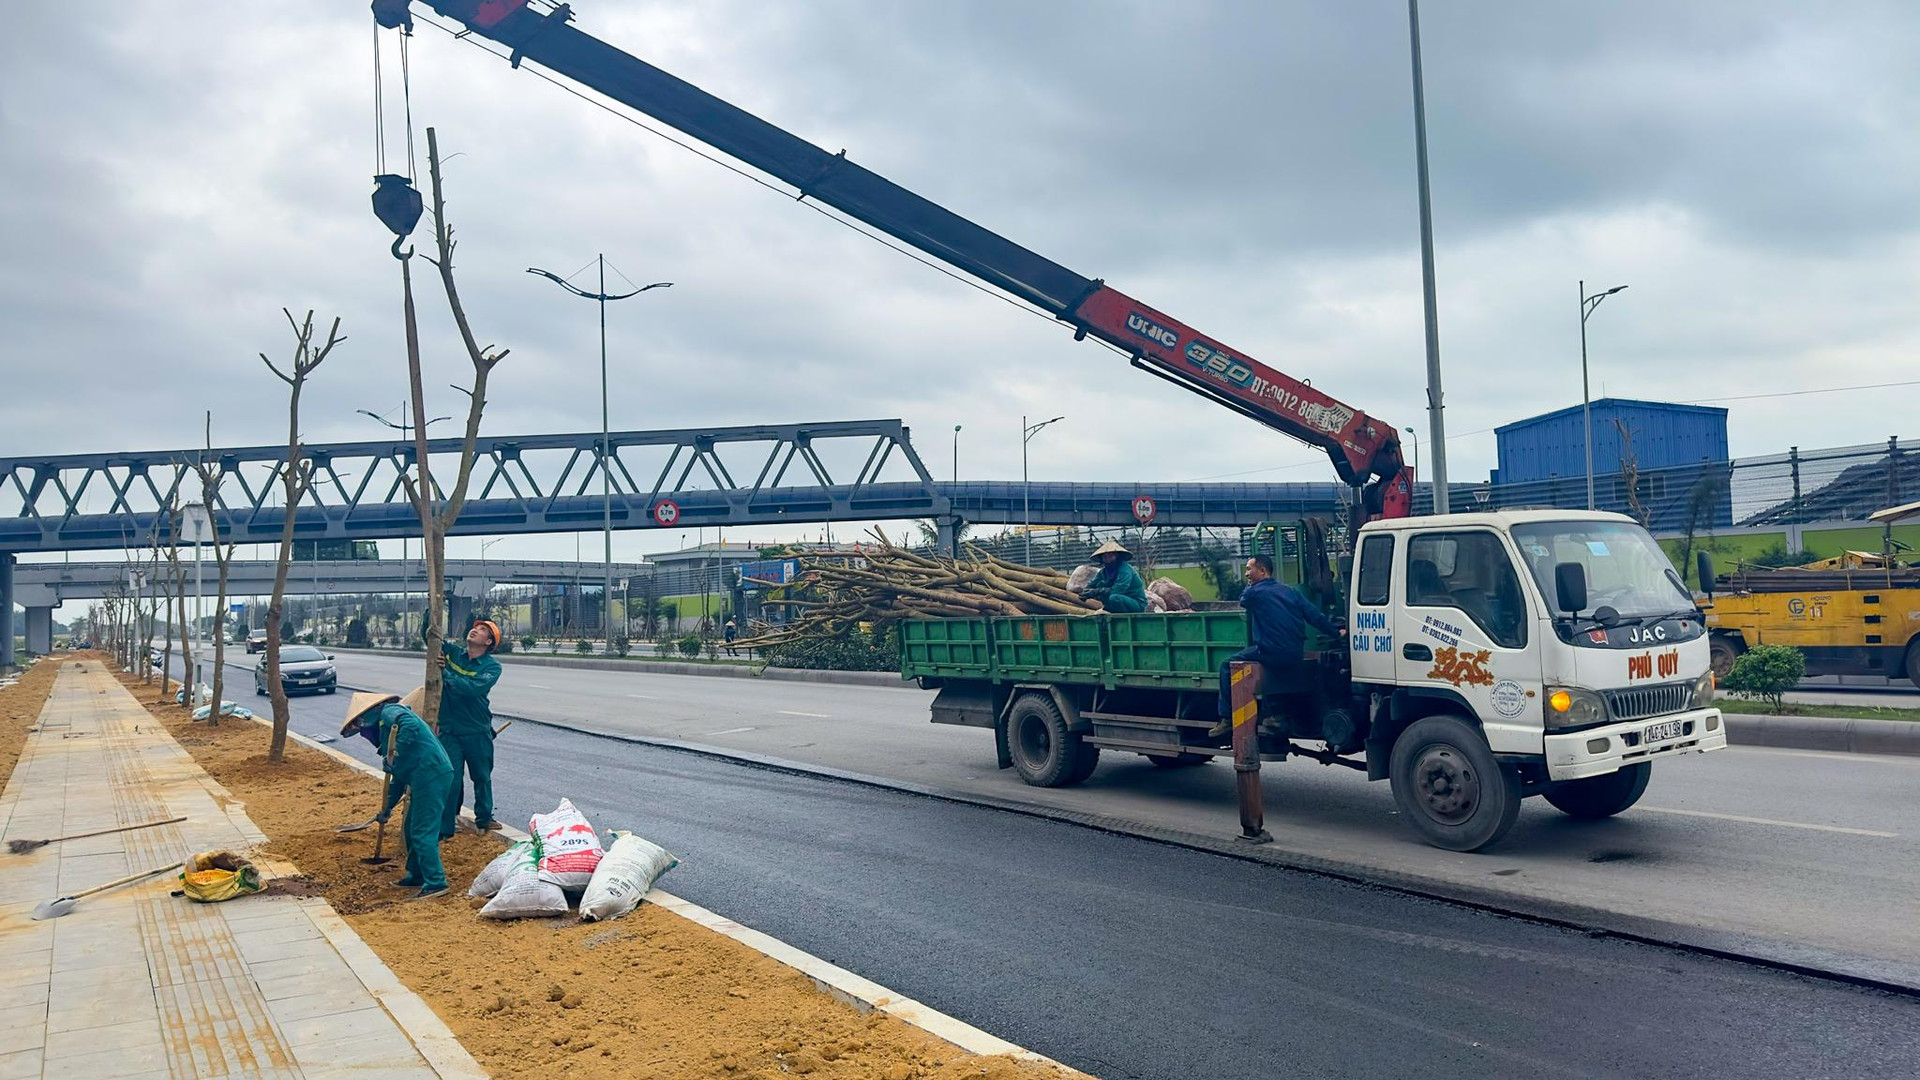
(136, 982)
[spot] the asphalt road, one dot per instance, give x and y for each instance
(1801, 856)
(1129, 958)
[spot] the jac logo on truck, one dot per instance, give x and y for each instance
(1152, 331)
(1648, 666)
(1640, 635)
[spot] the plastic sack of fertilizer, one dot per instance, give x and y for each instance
(569, 848)
(488, 880)
(627, 870)
(525, 894)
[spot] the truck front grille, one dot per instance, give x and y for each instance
(1642, 702)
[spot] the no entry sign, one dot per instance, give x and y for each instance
(666, 512)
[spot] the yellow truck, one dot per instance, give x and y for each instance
(1856, 614)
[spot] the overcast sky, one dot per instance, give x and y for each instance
(175, 174)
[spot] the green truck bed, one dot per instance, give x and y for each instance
(1176, 651)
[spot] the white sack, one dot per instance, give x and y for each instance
(494, 874)
(569, 848)
(627, 870)
(525, 895)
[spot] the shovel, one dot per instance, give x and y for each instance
(386, 780)
(21, 847)
(53, 909)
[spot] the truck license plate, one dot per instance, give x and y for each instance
(1662, 732)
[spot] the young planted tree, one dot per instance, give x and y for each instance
(162, 582)
(177, 582)
(436, 516)
(210, 475)
(296, 476)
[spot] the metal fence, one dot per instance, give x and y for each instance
(1845, 483)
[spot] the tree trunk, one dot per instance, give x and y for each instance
(186, 639)
(220, 633)
(432, 547)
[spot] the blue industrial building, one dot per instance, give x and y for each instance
(1679, 451)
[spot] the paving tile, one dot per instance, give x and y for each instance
(31, 1014)
(334, 1027)
(286, 950)
(24, 992)
(101, 1011)
(14, 1040)
(319, 970)
(365, 1050)
(295, 1000)
(144, 1060)
(109, 977)
(20, 1065)
(65, 1044)
(301, 931)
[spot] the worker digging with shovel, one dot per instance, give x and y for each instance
(417, 767)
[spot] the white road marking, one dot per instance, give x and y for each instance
(813, 715)
(643, 697)
(732, 731)
(1770, 821)
(537, 686)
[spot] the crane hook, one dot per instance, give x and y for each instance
(397, 203)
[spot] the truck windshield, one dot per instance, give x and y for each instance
(1626, 570)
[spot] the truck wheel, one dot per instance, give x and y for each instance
(1722, 652)
(1913, 661)
(1044, 751)
(1449, 786)
(1599, 797)
(1178, 761)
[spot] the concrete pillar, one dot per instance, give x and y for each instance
(6, 610)
(459, 616)
(946, 540)
(40, 630)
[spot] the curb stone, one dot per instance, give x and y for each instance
(1837, 734)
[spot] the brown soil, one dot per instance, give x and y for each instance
(652, 995)
(20, 706)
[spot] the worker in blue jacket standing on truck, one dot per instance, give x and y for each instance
(1277, 618)
(468, 672)
(1118, 585)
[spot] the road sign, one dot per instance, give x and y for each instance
(666, 512)
(196, 525)
(1144, 509)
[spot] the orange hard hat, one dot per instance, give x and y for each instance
(492, 628)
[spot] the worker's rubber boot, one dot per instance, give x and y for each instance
(1220, 729)
(408, 882)
(430, 892)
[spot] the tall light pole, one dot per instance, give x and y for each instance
(1587, 305)
(956, 453)
(406, 566)
(1027, 432)
(1411, 488)
(606, 440)
(1436, 416)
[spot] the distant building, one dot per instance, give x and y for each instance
(1679, 453)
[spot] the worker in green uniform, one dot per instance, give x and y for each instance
(1118, 585)
(466, 721)
(416, 768)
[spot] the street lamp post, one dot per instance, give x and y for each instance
(1587, 306)
(1027, 432)
(606, 441)
(1436, 409)
(1415, 464)
(406, 566)
(956, 453)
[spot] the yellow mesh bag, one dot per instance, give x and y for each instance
(213, 876)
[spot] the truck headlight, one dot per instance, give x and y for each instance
(1568, 707)
(1703, 692)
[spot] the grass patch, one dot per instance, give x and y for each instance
(1845, 712)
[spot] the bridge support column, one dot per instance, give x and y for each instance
(459, 616)
(6, 610)
(40, 630)
(947, 538)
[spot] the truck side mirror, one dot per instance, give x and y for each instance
(1570, 582)
(1703, 568)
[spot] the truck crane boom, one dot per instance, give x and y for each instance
(1365, 451)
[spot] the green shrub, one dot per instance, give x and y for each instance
(852, 651)
(583, 646)
(528, 642)
(622, 645)
(1766, 672)
(689, 646)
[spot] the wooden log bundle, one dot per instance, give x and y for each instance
(899, 584)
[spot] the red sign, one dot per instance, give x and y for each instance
(666, 512)
(1144, 509)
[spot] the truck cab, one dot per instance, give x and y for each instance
(1522, 652)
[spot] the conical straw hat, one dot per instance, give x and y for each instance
(363, 702)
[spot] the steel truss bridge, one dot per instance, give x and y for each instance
(785, 474)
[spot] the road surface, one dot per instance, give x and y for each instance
(1801, 856)
(1129, 958)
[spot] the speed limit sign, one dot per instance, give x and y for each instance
(666, 512)
(1143, 509)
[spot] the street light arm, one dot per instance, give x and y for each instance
(580, 292)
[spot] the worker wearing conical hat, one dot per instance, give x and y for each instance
(1118, 585)
(466, 721)
(418, 768)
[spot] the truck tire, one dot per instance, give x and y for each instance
(1450, 787)
(1178, 761)
(1044, 751)
(1085, 761)
(1913, 661)
(1723, 651)
(1599, 797)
